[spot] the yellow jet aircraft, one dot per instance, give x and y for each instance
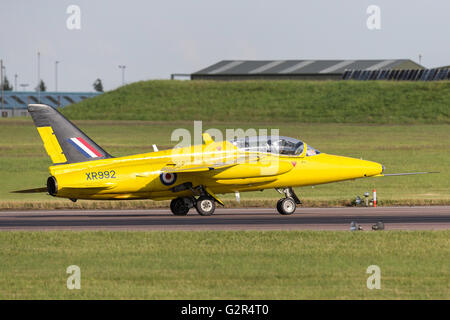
(191, 177)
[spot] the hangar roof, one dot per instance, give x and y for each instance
(248, 67)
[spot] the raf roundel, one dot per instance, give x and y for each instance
(168, 178)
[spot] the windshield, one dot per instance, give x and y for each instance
(310, 151)
(270, 144)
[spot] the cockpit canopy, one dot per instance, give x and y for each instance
(273, 144)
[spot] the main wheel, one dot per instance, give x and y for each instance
(286, 206)
(205, 206)
(279, 205)
(179, 207)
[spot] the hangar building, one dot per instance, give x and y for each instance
(295, 69)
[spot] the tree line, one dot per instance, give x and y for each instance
(98, 85)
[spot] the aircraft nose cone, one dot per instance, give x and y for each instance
(373, 169)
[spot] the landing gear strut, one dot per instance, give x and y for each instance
(287, 205)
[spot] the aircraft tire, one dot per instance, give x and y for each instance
(179, 207)
(205, 206)
(286, 206)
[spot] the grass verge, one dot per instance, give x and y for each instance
(401, 148)
(148, 204)
(225, 265)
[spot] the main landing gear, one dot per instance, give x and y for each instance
(287, 205)
(205, 205)
(181, 206)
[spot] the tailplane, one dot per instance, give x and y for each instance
(63, 141)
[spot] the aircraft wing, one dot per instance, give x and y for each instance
(211, 164)
(74, 186)
(197, 168)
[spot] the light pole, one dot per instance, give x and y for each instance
(15, 87)
(1, 77)
(123, 73)
(39, 77)
(4, 74)
(56, 76)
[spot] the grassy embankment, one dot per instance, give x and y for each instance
(225, 265)
(379, 102)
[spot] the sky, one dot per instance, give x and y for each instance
(154, 39)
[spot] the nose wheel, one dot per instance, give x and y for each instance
(287, 206)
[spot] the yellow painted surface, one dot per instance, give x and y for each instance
(51, 145)
(139, 176)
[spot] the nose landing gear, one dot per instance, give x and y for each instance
(287, 205)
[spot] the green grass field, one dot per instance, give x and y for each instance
(225, 265)
(401, 148)
(272, 101)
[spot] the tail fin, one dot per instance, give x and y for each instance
(63, 141)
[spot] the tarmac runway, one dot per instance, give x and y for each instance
(394, 218)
